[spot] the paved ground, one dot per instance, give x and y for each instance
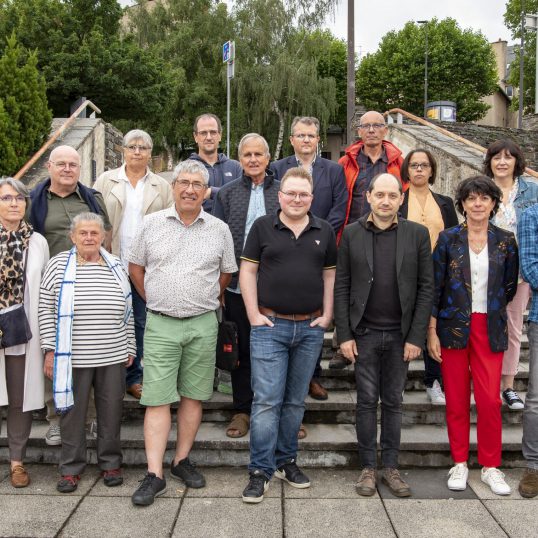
(330, 508)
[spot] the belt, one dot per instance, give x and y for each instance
(160, 314)
(291, 317)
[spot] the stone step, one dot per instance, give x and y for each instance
(327, 445)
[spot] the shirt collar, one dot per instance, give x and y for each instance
(370, 225)
(313, 222)
(122, 174)
(171, 212)
(310, 168)
(383, 156)
(76, 191)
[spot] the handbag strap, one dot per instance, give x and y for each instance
(24, 272)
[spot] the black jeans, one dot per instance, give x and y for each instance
(241, 388)
(380, 372)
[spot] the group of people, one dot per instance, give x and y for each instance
(139, 267)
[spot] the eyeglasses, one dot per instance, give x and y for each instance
(374, 126)
(185, 184)
(303, 196)
(305, 136)
(422, 166)
(205, 134)
(63, 164)
(135, 147)
(9, 199)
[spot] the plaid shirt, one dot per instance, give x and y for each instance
(527, 234)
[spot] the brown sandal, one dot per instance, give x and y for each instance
(239, 425)
(302, 432)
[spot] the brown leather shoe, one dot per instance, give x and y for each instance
(396, 484)
(19, 477)
(528, 485)
(317, 391)
(366, 485)
(135, 390)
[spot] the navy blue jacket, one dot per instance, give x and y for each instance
(222, 172)
(330, 192)
(452, 298)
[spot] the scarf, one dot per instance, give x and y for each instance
(12, 246)
(63, 372)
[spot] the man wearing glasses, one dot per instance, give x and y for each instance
(287, 278)
(370, 156)
(55, 202)
(181, 261)
(239, 204)
(207, 133)
(131, 192)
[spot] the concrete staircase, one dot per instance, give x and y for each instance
(331, 440)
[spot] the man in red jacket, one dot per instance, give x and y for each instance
(370, 156)
(365, 159)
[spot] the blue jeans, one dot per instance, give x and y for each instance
(133, 374)
(282, 359)
(380, 372)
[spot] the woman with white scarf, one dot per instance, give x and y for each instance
(87, 333)
(23, 257)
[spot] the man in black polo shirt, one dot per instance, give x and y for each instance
(382, 299)
(287, 278)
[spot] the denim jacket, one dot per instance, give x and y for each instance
(527, 195)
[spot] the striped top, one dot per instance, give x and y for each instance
(99, 336)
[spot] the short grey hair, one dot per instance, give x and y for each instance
(190, 166)
(136, 134)
(250, 136)
(307, 120)
(19, 186)
(87, 217)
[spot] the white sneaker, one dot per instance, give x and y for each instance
(495, 480)
(435, 394)
(53, 437)
(457, 477)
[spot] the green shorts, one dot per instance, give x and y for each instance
(179, 358)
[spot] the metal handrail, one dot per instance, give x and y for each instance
(454, 136)
(55, 137)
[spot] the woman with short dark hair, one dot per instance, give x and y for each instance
(437, 213)
(476, 270)
(505, 164)
(23, 256)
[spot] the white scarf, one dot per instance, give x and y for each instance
(63, 372)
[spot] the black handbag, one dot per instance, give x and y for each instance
(14, 326)
(227, 345)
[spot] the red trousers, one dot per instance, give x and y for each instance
(479, 363)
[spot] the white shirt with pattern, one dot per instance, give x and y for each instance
(183, 263)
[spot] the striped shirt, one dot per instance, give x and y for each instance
(99, 337)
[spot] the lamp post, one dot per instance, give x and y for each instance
(521, 64)
(350, 69)
(425, 23)
(532, 24)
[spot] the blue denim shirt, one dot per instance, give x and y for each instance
(527, 196)
(527, 234)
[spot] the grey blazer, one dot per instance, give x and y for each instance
(355, 274)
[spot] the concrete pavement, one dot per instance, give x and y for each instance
(330, 508)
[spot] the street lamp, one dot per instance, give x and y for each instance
(532, 24)
(425, 23)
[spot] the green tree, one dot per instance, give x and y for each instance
(512, 19)
(461, 68)
(24, 113)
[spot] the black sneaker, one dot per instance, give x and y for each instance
(186, 471)
(293, 475)
(151, 486)
(68, 483)
(512, 399)
(257, 486)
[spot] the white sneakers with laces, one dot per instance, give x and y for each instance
(494, 478)
(435, 394)
(457, 477)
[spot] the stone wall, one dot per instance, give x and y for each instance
(113, 144)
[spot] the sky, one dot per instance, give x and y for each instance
(373, 19)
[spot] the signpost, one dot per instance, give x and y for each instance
(228, 57)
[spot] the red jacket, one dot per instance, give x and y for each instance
(351, 168)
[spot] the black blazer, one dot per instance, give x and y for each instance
(330, 192)
(445, 203)
(355, 272)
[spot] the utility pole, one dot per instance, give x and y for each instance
(228, 57)
(521, 58)
(350, 69)
(425, 24)
(532, 24)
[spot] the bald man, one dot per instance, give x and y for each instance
(383, 295)
(365, 159)
(55, 202)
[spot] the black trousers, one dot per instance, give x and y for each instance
(241, 387)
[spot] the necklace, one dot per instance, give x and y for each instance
(83, 261)
(477, 245)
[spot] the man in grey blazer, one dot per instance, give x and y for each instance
(382, 302)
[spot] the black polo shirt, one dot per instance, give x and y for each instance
(290, 273)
